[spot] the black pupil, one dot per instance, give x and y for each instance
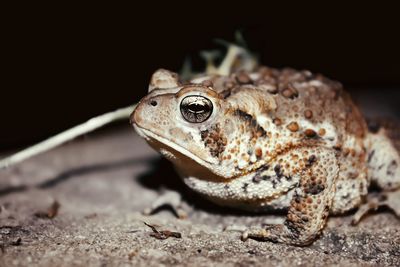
(197, 108)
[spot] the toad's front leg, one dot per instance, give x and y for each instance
(309, 208)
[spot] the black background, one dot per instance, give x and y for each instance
(65, 64)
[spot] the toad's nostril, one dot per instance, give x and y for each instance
(153, 103)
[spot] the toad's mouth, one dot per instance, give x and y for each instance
(179, 155)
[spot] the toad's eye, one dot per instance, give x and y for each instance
(196, 109)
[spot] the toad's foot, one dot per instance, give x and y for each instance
(170, 199)
(261, 234)
(390, 200)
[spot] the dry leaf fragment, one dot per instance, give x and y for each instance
(162, 234)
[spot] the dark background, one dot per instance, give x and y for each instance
(65, 64)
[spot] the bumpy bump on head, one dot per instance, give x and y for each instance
(163, 79)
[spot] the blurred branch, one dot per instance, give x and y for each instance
(86, 127)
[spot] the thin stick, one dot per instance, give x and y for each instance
(86, 127)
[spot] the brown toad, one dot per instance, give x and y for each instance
(259, 138)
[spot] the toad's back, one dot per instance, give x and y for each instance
(308, 104)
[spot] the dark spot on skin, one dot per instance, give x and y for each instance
(277, 121)
(278, 171)
(353, 175)
(326, 209)
(244, 187)
(256, 179)
(214, 140)
(260, 131)
(293, 228)
(380, 167)
(338, 147)
(290, 92)
(258, 153)
(346, 196)
(293, 126)
(314, 189)
(204, 134)
(263, 168)
(304, 218)
(371, 155)
(274, 182)
(258, 176)
(243, 115)
(391, 169)
(382, 197)
(225, 94)
(251, 252)
(310, 133)
(311, 160)
(257, 130)
(273, 91)
(279, 174)
(308, 114)
(297, 197)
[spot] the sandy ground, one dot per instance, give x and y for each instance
(103, 181)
